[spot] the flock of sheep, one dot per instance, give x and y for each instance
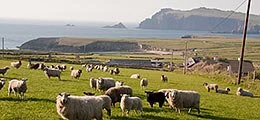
(90, 106)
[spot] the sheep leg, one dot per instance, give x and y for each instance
(189, 110)
(160, 104)
(108, 111)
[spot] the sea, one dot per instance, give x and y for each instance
(14, 35)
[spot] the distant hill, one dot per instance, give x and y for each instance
(79, 45)
(201, 19)
(119, 25)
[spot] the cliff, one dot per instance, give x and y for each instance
(119, 25)
(203, 19)
(78, 45)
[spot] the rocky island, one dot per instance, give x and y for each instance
(119, 25)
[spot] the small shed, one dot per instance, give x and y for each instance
(233, 66)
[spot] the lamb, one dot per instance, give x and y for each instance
(76, 73)
(135, 76)
(115, 93)
(33, 66)
(242, 92)
(63, 67)
(144, 82)
(105, 69)
(127, 103)
(2, 83)
(89, 68)
(93, 83)
(18, 86)
(50, 72)
(210, 86)
(105, 83)
(79, 107)
(16, 64)
(111, 72)
(184, 99)
(4, 70)
(164, 78)
(223, 91)
(119, 83)
(116, 71)
(153, 97)
(106, 102)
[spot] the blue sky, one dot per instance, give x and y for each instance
(107, 10)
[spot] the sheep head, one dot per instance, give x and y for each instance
(64, 97)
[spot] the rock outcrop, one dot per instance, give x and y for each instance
(203, 19)
(119, 25)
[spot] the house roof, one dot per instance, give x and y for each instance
(247, 66)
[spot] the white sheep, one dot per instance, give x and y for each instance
(93, 83)
(105, 83)
(4, 70)
(184, 99)
(50, 72)
(223, 91)
(242, 92)
(164, 78)
(135, 76)
(115, 93)
(105, 69)
(16, 64)
(76, 73)
(119, 83)
(116, 71)
(18, 86)
(144, 82)
(2, 83)
(210, 86)
(127, 103)
(79, 107)
(106, 102)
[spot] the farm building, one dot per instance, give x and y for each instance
(135, 63)
(233, 66)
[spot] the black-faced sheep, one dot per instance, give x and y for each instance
(221, 91)
(106, 101)
(105, 83)
(93, 83)
(119, 83)
(71, 68)
(135, 76)
(127, 103)
(76, 73)
(50, 72)
(164, 78)
(33, 66)
(105, 69)
(210, 86)
(42, 66)
(79, 107)
(16, 64)
(18, 86)
(115, 93)
(242, 92)
(184, 99)
(111, 72)
(144, 82)
(4, 70)
(116, 71)
(153, 97)
(2, 83)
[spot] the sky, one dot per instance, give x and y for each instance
(107, 10)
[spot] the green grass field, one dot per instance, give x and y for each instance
(39, 101)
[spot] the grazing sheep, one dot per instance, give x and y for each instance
(79, 107)
(84, 65)
(4, 70)
(144, 82)
(111, 72)
(71, 68)
(50, 72)
(164, 78)
(153, 97)
(2, 83)
(105, 83)
(223, 91)
(119, 83)
(127, 103)
(135, 76)
(76, 73)
(242, 92)
(63, 67)
(93, 83)
(115, 93)
(184, 99)
(116, 71)
(89, 69)
(33, 66)
(210, 86)
(18, 86)
(105, 69)
(106, 101)
(16, 64)
(42, 66)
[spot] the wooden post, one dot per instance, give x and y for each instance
(185, 58)
(243, 44)
(3, 46)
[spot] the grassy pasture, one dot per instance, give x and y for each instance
(39, 102)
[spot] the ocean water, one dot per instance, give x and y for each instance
(15, 35)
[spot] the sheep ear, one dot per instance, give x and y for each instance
(60, 94)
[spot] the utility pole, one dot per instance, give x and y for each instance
(185, 58)
(243, 44)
